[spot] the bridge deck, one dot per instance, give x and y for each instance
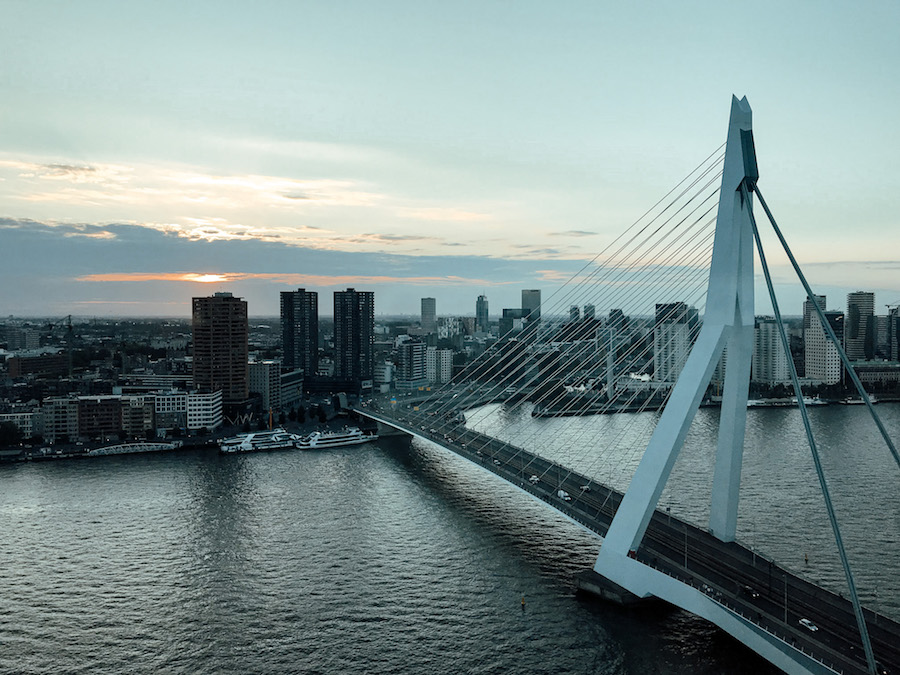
(736, 577)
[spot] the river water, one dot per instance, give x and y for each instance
(394, 557)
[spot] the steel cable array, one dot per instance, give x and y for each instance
(663, 257)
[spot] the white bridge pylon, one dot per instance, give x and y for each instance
(728, 323)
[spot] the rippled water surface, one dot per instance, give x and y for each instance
(782, 513)
(394, 557)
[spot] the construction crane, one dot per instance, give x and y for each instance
(67, 322)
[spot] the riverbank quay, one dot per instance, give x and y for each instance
(48, 453)
(35, 453)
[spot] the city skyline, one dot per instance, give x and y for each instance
(448, 152)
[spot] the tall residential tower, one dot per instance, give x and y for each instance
(221, 337)
(354, 334)
(300, 330)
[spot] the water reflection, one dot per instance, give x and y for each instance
(781, 512)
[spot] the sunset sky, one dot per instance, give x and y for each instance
(151, 152)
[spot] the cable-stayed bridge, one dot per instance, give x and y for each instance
(691, 256)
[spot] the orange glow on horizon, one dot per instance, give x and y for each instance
(287, 278)
(206, 278)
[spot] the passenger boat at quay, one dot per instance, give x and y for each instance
(279, 439)
(784, 402)
(334, 439)
(258, 441)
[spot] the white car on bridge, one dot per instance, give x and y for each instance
(806, 623)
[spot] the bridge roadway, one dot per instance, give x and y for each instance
(744, 582)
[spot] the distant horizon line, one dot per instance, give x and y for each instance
(266, 317)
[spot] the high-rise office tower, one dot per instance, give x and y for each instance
(481, 314)
(859, 326)
(221, 336)
(883, 337)
(589, 312)
(894, 333)
(512, 321)
(300, 330)
(809, 311)
(429, 315)
(354, 334)
(531, 304)
(674, 332)
(617, 320)
(823, 362)
(574, 313)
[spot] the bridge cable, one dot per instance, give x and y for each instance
(620, 360)
(642, 230)
(615, 400)
(590, 344)
(643, 407)
(612, 274)
(619, 273)
(586, 345)
(830, 332)
(623, 273)
(857, 608)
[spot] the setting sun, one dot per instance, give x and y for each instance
(205, 278)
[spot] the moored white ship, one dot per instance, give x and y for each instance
(275, 439)
(784, 402)
(335, 439)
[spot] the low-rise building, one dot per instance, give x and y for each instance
(204, 410)
(39, 364)
(100, 416)
(384, 375)
(291, 388)
(878, 375)
(23, 419)
(411, 365)
(57, 419)
(265, 380)
(189, 410)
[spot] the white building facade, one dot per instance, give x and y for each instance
(823, 362)
(438, 365)
(190, 410)
(265, 380)
(770, 363)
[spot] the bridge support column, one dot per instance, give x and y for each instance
(732, 425)
(728, 319)
(388, 430)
